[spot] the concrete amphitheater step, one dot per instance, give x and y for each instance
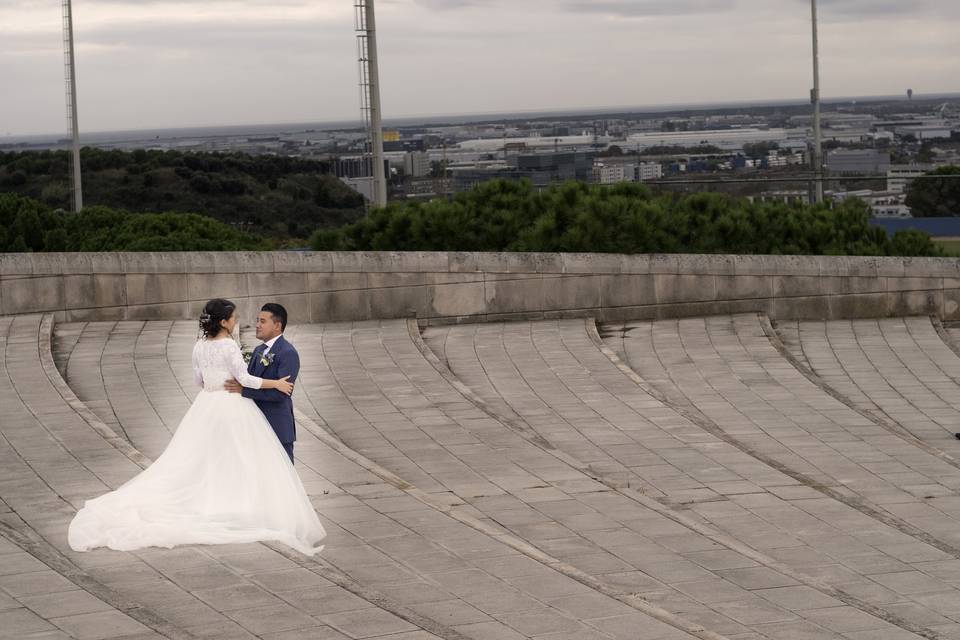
(51, 460)
(897, 368)
(552, 376)
(950, 331)
(120, 371)
(56, 454)
(36, 601)
(729, 370)
(377, 389)
(407, 550)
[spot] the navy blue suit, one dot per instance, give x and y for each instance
(276, 405)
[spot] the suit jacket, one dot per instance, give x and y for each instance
(276, 406)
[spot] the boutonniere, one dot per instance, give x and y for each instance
(267, 359)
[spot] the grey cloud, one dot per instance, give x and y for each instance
(866, 9)
(646, 8)
(293, 36)
(251, 3)
(444, 5)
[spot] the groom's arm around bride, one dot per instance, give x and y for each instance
(273, 359)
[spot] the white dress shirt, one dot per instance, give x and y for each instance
(269, 344)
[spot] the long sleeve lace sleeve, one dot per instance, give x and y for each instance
(238, 368)
(197, 370)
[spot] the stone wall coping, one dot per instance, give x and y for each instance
(36, 264)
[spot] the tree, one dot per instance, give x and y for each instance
(28, 225)
(502, 215)
(933, 197)
(225, 186)
(759, 149)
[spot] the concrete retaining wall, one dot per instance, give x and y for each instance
(463, 287)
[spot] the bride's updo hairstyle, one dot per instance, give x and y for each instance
(213, 312)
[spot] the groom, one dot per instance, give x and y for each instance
(273, 359)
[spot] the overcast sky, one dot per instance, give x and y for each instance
(170, 63)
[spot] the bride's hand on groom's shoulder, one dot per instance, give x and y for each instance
(233, 386)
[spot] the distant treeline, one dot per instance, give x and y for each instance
(625, 218)
(279, 197)
(505, 216)
(29, 225)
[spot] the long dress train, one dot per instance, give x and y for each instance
(223, 478)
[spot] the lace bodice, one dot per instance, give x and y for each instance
(216, 361)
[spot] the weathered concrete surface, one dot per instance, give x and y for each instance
(55, 454)
(439, 287)
(552, 376)
(470, 578)
(896, 368)
(551, 496)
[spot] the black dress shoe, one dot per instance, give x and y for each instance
(957, 436)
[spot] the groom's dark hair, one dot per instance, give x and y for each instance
(278, 312)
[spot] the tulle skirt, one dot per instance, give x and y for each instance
(224, 478)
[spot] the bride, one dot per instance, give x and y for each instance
(223, 478)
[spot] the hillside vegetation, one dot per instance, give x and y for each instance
(625, 218)
(278, 197)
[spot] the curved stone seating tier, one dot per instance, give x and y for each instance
(52, 459)
(518, 480)
(374, 387)
(542, 492)
(42, 594)
(728, 369)
(898, 368)
(122, 373)
(951, 334)
(403, 548)
(54, 455)
(553, 376)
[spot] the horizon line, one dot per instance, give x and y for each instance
(484, 116)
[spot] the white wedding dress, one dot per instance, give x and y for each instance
(224, 477)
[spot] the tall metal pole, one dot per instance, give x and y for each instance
(70, 75)
(815, 97)
(376, 125)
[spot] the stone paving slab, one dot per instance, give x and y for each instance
(106, 357)
(52, 459)
(898, 368)
(35, 599)
(551, 375)
(375, 537)
(729, 370)
(410, 543)
(379, 393)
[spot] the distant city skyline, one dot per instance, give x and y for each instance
(168, 63)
